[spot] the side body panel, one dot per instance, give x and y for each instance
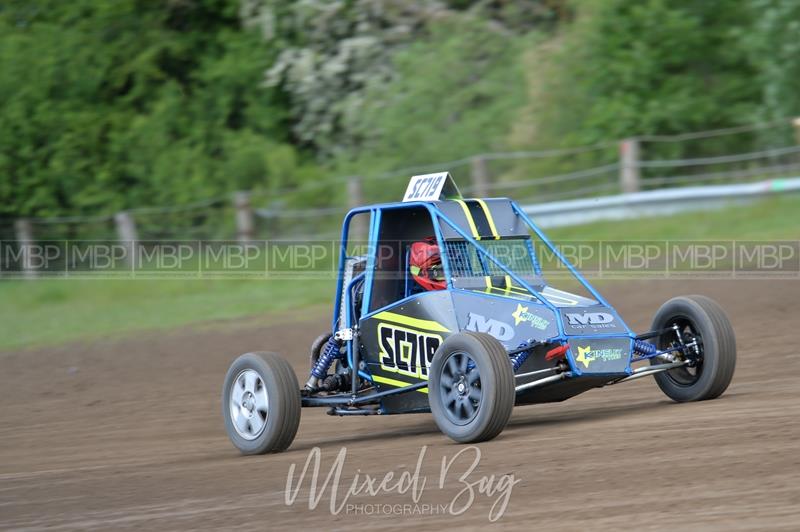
(398, 343)
(511, 321)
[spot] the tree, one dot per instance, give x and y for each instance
(108, 105)
(330, 53)
(775, 49)
(336, 56)
(454, 95)
(656, 66)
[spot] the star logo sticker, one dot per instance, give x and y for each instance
(518, 314)
(582, 358)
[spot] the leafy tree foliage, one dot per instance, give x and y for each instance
(330, 52)
(337, 56)
(775, 47)
(107, 105)
(655, 66)
(454, 95)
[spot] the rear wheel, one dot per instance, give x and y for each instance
(261, 403)
(702, 319)
(471, 390)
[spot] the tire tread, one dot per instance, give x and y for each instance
(285, 402)
(503, 388)
(721, 338)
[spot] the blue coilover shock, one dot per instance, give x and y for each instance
(642, 348)
(519, 359)
(329, 353)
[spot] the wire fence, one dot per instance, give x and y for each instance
(532, 176)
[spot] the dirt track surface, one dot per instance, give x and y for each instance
(128, 434)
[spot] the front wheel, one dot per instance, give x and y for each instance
(696, 318)
(261, 403)
(471, 390)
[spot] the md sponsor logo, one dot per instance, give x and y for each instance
(594, 320)
(499, 329)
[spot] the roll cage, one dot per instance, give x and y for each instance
(440, 219)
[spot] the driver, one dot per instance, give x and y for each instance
(425, 263)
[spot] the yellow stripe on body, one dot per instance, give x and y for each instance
(512, 292)
(507, 289)
(488, 214)
(470, 220)
(509, 284)
(495, 234)
(519, 290)
(395, 382)
(489, 286)
(425, 325)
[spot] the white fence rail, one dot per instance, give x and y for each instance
(660, 202)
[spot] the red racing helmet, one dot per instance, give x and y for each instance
(425, 263)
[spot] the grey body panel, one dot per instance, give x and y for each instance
(507, 223)
(511, 321)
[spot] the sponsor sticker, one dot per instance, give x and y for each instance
(522, 315)
(587, 355)
(499, 329)
(591, 320)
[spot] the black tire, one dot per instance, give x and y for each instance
(489, 384)
(702, 317)
(274, 387)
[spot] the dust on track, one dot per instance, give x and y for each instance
(128, 434)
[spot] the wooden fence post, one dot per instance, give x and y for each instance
(480, 177)
(629, 178)
(358, 227)
(24, 233)
(127, 235)
(245, 222)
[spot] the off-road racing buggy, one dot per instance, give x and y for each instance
(498, 333)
